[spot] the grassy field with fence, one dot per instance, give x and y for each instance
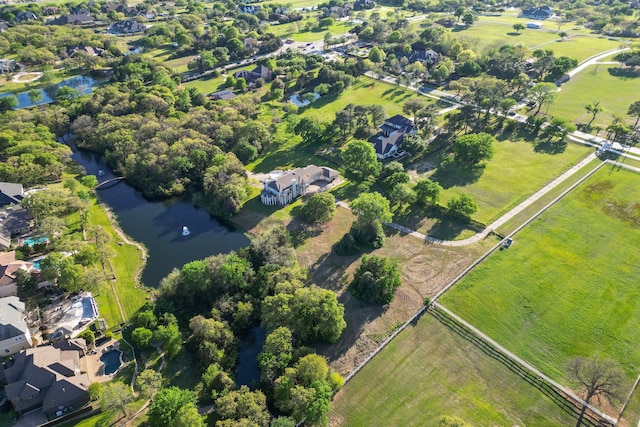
(567, 285)
(428, 371)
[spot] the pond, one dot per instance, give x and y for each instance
(248, 372)
(158, 225)
(83, 84)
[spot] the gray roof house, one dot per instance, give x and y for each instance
(260, 72)
(9, 266)
(14, 333)
(128, 26)
(25, 16)
(78, 17)
(46, 378)
(222, 95)
(16, 220)
(284, 188)
(10, 193)
(543, 12)
(7, 65)
(392, 131)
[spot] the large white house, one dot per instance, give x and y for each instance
(14, 333)
(389, 139)
(283, 188)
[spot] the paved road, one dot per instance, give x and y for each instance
(594, 60)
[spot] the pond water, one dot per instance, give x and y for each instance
(158, 225)
(83, 84)
(248, 372)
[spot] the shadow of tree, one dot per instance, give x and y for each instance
(453, 174)
(550, 146)
(624, 73)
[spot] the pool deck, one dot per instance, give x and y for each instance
(94, 367)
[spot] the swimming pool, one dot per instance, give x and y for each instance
(89, 310)
(34, 241)
(36, 264)
(112, 361)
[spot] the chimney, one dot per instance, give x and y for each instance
(294, 188)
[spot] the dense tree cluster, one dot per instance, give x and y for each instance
(375, 280)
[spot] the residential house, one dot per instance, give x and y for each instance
(260, 72)
(119, 8)
(543, 12)
(50, 10)
(14, 333)
(427, 56)
(250, 43)
(10, 193)
(76, 17)
(7, 66)
(389, 140)
(25, 16)
(75, 344)
(336, 11)
(47, 379)
(283, 188)
(91, 51)
(5, 239)
(128, 26)
(364, 4)
(249, 9)
(223, 95)
(9, 267)
(16, 220)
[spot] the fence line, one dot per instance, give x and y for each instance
(561, 395)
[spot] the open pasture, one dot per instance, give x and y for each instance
(567, 286)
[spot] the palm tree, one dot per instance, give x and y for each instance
(593, 108)
(634, 110)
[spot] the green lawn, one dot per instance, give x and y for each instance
(484, 34)
(568, 285)
(515, 172)
(293, 3)
(615, 87)
(294, 30)
(428, 371)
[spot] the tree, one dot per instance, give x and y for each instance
(427, 192)
(559, 128)
(599, 378)
(376, 55)
(543, 94)
(35, 96)
(375, 280)
(89, 181)
(320, 208)
(148, 382)
(634, 110)
(360, 158)
(471, 149)
(276, 354)
(462, 207)
(188, 416)
(414, 144)
(468, 17)
(115, 395)
(402, 194)
(518, 26)
(8, 103)
(413, 105)
(371, 207)
(593, 108)
(166, 404)
(311, 313)
(142, 337)
(243, 407)
(171, 339)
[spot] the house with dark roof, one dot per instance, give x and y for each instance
(389, 139)
(47, 379)
(128, 26)
(16, 220)
(89, 50)
(7, 65)
(10, 193)
(249, 9)
(364, 4)
(223, 95)
(25, 17)
(14, 333)
(284, 188)
(429, 57)
(543, 12)
(120, 8)
(50, 10)
(9, 267)
(75, 344)
(260, 72)
(77, 17)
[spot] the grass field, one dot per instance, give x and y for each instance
(616, 88)
(567, 286)
(294, 30)
(428, 371)
(501, 184)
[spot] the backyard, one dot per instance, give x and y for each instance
(563, 289)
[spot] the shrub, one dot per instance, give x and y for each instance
(346, 246)
(370, 234)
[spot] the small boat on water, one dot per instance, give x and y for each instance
(185, 231)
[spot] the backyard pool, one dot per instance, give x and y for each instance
(112, 361)
(34, 241)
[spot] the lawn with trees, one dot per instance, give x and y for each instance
(535, 298)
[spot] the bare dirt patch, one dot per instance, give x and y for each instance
(417, 170)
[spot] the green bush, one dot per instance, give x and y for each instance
(346, 246)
